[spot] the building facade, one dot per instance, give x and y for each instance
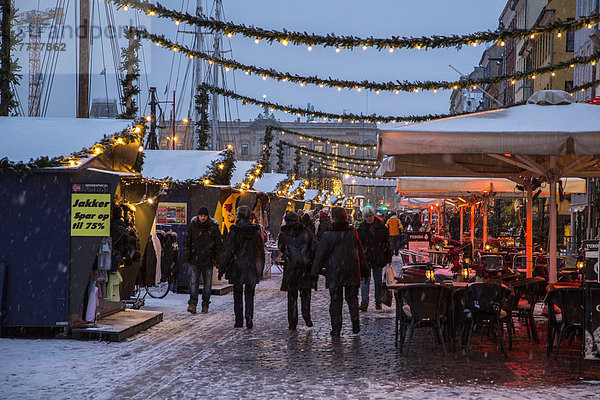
(586, 42)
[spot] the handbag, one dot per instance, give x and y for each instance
(386, 295)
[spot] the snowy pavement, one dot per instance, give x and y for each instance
(204, 356)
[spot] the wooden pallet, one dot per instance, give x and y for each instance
(119, 326)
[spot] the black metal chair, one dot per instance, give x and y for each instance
(486, 305)
(565, 312)
(426, 308)
(527, 293)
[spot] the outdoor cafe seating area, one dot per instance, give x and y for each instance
(463, 302)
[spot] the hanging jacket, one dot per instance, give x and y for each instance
(342, 256)
(244, 258)
(298, 247)
(105, 254)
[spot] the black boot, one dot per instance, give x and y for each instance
(356, 326)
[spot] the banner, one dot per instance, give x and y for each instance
(90, 214)
(171, 213)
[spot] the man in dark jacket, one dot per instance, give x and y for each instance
(374, 237)
(341, 254)
(243, 263)
(201, 251)
(298, 247)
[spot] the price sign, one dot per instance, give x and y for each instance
(90, 214)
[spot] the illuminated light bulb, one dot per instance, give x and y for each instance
(415, 90)
(177, 22)
(377, 92)
(125, 8)
(339, 89)
(264, 96)
(229, 147)
(337, 49)
(227, 69)
(152, 13)
(137, 129)
(141, 149)
(175, 139)
(302, 84)
(358, 89)
(284, 42)
(98, 150)
(364, 47)
(532, 36)
(435, 90)
(257, 41)
(264, 78)
(206, 181)
(397, 92)
(593, 62)
(474, 44)
(589, 26)
(572, 65)
(502, 43)
(72, 163)
(391, 49)
(148, 118)
(221, 166)
(247, 73)
(156, 43)
(532, 76)
(150, 200)
(120, 141)
(553, 74)
(321, 85)
(559, 34)
(309, 48)
(454, 87)
(229, 35)
(191, 57)
(512, 82)
(210, 62)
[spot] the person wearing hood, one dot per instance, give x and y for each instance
(341, 255)
(298, 247)
(374, 237)
(242, 264)
(201, 251)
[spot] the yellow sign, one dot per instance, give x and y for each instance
(90, 214)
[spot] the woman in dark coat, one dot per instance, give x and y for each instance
(341, 254)
(243, 263)
(298, 248)
(374, 236)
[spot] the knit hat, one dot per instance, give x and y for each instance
(203, 211)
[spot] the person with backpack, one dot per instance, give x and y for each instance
(341, 256)
(242, 264)
(298, 247)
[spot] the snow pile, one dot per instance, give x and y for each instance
(179, 165)
(25, 138)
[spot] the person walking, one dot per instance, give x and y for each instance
(242, 264)
(322, 225)
(341, 255)
(395, 227)
(374, 237)
(201, 251)
(298, 247)
(454, 226)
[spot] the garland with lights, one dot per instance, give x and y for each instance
(131, 66)
(324, 140)
(283, 186)
(11, 74)
(296, 166)
(354, 117)
(349, 42)
(202, 125)
(133, 134)
(397, 86)
(334, 157)
(280, 155)
(263, 164)
(334, 160)
(309, 170)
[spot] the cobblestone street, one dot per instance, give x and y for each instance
(204, 356)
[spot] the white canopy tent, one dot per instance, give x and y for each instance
(550, 138)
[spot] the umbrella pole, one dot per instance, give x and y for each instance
(485, 223)
(462, 225)
(552, 274)
(529, 225)
(472, 225)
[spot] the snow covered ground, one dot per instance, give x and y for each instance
(204, 356)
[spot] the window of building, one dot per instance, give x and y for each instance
(568, 86)
(570, 40)
(318, 147)
(369, 189)
(352, 151)
(245, 148)
(350, 189)
(286, 150)
(335, 149)
(302, 167)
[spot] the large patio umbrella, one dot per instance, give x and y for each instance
(549, 138)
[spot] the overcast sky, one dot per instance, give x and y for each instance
(376, 18)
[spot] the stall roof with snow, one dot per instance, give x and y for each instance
(178, 165)
(241, 167)
(268, 182)
(311, 194)
(26, 138)
(362, 181)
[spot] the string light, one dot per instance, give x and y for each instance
(299, 38)
(369, 85)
